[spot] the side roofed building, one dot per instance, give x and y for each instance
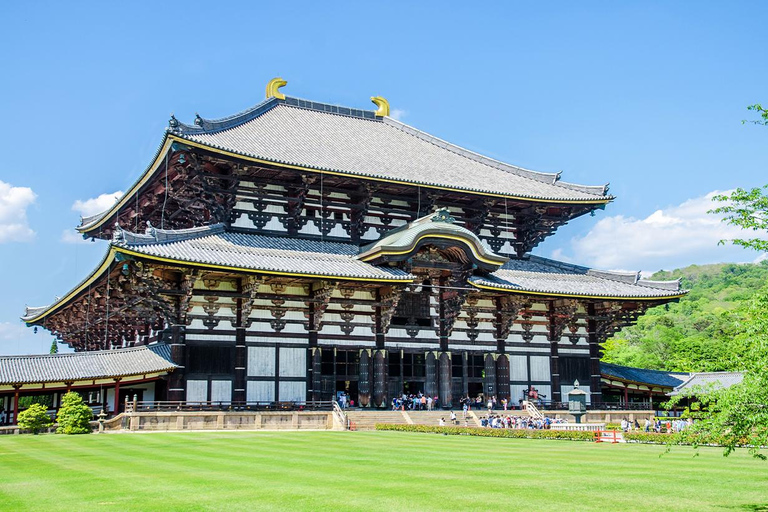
(298, 249)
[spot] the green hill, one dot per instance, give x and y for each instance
(696, 333)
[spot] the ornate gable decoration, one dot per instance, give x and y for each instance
(436, 230)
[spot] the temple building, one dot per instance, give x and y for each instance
(298, 249)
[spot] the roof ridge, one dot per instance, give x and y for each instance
(539, 176)
(223, 123)
(80, 354)
(153, 235)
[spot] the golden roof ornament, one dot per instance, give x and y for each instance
(273, 87)
(382, 104)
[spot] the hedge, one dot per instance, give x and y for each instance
(572, 435)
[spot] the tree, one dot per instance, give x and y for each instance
(736, 416)
(761, 111)
(74, 416)
(747, 209)
(54, 348)
(35, 418)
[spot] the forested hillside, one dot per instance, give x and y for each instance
(695, 334)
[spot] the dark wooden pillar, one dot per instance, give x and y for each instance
(595, 386)
(444, 382)
(176, 390)
(502, 377)
(116, 406)
(554, 367)
(377, 320)
(380, 371)
(16, 405)
(442, 313)
(364, 378)
(430, 385)
(241, 355)
(315, 380)
(554, 357)
(626, 395)
(490, 376)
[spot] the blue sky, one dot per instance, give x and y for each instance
(648, 96)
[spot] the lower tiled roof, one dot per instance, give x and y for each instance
(80, 366)
(215, 246)
(541, 275)
(718, 380)
(643, 376)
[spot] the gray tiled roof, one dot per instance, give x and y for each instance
(85, 365)
(319, 136)
(641, 375)
(704, 380)
(542, 275)
(215, 246)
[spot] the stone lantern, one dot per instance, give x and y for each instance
(577, 402)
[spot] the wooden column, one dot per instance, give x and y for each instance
(238, 391)
(16, 405)
(444, 382)
(502, 377)
(176, 389)
(554, 357)
(626, 395)
(595, 386)
(380, 380)
(430, 384)
(116, 407)
(441, 311)
(364, 378)
(490, 375)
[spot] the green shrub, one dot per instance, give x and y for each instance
(573, 435)
(35, 418)
(74, 416)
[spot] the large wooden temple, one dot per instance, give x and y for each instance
(297, 249)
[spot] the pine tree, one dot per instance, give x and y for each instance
(54, 348)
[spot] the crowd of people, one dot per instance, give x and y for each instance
(415, 402)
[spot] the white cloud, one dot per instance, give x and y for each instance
(70, 236)
(397, 114)
(14, 202)
(96, 205)
(12, 331)
(669, 238)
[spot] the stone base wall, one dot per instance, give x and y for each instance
(221, 420)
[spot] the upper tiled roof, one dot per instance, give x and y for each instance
(542, 275)
(643, 376)
(331, 138)
(214, 246)
(86, 365)
(717, 380)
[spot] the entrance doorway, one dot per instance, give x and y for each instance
(350, 388)
(413, 387)
(474, 389)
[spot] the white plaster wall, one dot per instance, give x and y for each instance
(292, 391)
(197, 390)
(221, 391)
(518, 367)
(540, 368)
(261, 361)
(293, 362)
(260, 391)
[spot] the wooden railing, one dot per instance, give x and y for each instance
(160, 406)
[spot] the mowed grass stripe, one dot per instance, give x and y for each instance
(364, 471)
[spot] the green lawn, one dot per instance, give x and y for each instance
(366, 471)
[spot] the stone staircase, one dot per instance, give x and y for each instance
(368, 418)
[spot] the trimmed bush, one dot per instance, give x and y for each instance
(35, 418)
(74, 416)
(573, 435)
